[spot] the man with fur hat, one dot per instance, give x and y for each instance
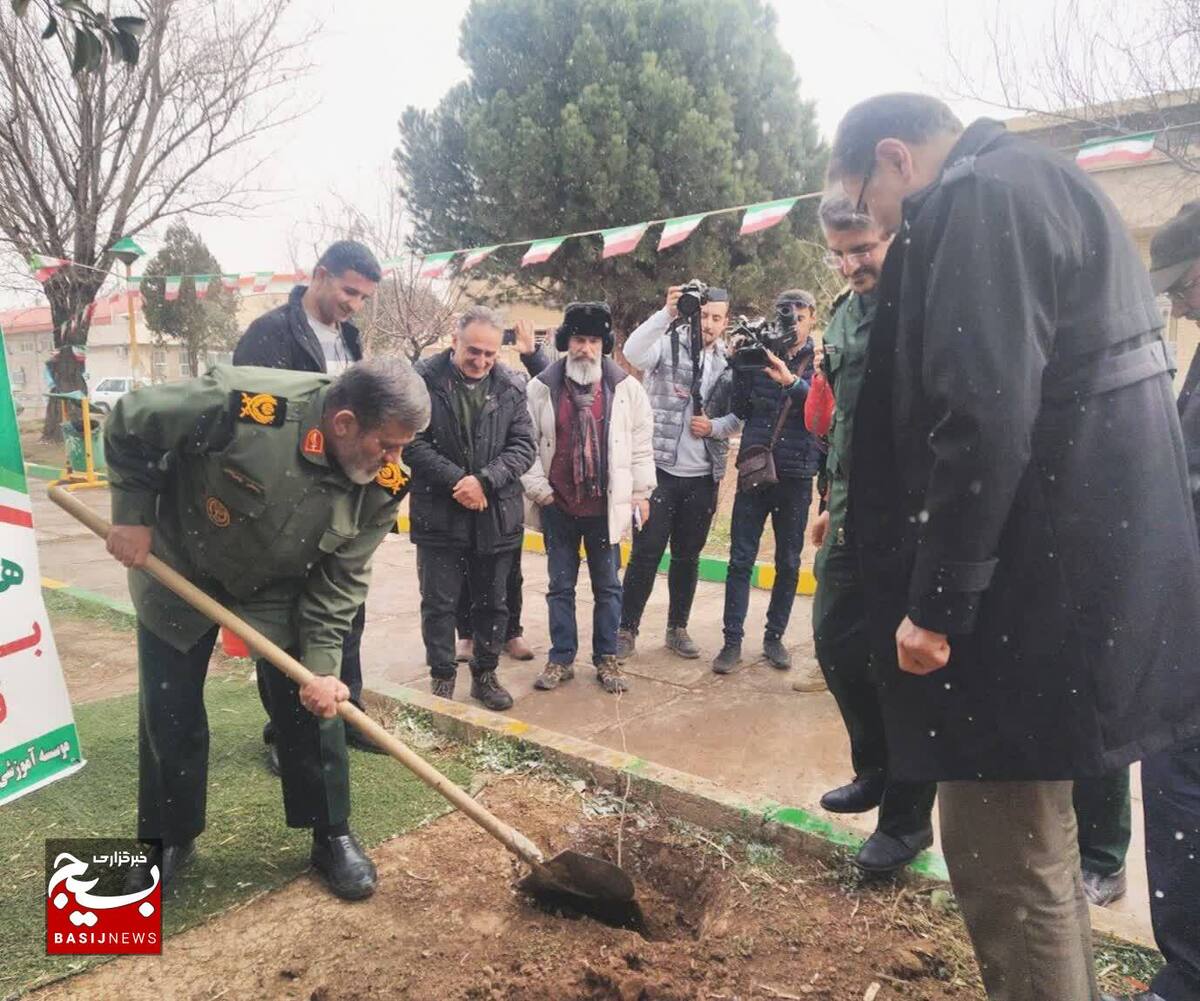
(590, 482)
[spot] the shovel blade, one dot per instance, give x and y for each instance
(580, 875)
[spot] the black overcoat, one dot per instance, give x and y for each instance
(1020, 482)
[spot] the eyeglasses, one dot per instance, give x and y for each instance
(835, 260)
(1178, 293)
(862, 193)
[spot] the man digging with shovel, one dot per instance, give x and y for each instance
(270, 490)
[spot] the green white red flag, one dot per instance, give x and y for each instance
(171, 287)
(764, 215)
(478, 255)
(677, 230)
(1112, 152)
(435, 265)
(43, 266)
(201, 283)
(541, 250)
(262, 279)
(623, 239)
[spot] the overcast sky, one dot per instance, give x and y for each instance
(374, 57)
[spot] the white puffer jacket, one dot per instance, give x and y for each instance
(630, 459)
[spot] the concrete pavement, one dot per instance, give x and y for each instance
(748, 731)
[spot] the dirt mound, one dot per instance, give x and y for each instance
(717, 922)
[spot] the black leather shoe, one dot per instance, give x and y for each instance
(487, 689)
(273, 760)
(863, 794)
(344, 866)
(360, 743)
(885, 853)
(1103, 890)
(169, 859)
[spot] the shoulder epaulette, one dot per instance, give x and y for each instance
(263, 409)
(392, 477)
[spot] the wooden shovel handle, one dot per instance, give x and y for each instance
(512, 839)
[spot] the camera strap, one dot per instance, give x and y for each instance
(783, 415)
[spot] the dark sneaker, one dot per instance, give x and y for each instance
(443, 688)
(1103, 890)
(776, 653)
(554, 675)
(885, 853)
(679, 642)
(626, 643)
(490, 692)
(608, 673)
(273, 765)
(169, 859)
(728, 659)
(344, 866)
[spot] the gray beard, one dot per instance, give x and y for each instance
(586, 373)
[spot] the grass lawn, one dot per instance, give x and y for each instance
(246, 849)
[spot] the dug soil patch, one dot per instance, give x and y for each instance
(719, 921)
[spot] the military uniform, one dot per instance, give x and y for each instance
(839, 613)
(231, 471)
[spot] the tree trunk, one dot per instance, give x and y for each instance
(71, 294)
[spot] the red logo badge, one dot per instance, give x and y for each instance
(314, 442)
(89, 908)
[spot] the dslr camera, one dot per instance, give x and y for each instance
(752, 339)
(692, 298)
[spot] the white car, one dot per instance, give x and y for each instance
(108, 391)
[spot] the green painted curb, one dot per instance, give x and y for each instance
(40, 472)
(123, 608)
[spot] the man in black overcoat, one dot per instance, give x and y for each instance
(1021, 505)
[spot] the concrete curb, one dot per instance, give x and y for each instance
(37, 471)
(713, 569)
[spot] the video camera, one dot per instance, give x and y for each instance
(752, 339)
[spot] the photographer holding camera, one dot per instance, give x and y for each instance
(682, 358)
(772, 369)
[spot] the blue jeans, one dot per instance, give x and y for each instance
(787, 504)
(563, 533)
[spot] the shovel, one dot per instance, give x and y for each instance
(590, 882)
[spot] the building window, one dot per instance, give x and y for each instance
(18, 377)
(123, 351)
(184, 371)
(160, 365)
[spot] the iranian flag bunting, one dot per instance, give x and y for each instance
(478, 255)
(261, 280)
(1111, 152)
(434, 265)
(230, 283)
(201, 283)
(677, 230)
(623, 239)
(764, 215)
(541, 250)
(171, 287)
(43, 267)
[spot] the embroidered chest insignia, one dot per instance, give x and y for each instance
(263, 409)
(217, 512)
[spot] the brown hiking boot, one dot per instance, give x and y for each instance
(488, 690)
(443, 688)
(608, 673)
(553, 675)
(518, 649)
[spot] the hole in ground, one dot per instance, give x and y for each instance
(677, 892)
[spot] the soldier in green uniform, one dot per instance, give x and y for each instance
(857, 248)
(270, 490)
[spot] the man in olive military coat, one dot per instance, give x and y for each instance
(270, 490)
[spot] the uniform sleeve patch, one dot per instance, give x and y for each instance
(392, 477)
(263, 409)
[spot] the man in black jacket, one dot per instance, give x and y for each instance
(312, 332)
(1020, 505)
(760, 398)
(467, 506)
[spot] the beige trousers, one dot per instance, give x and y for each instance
(1013, 856)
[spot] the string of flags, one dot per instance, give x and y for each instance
(618, 240)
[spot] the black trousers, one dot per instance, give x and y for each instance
(351, 672)
(843, 651)
(1171, 797)
(173, 746)
(513, 599)
(442, 572)
(1105, 818)
(681, 513)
